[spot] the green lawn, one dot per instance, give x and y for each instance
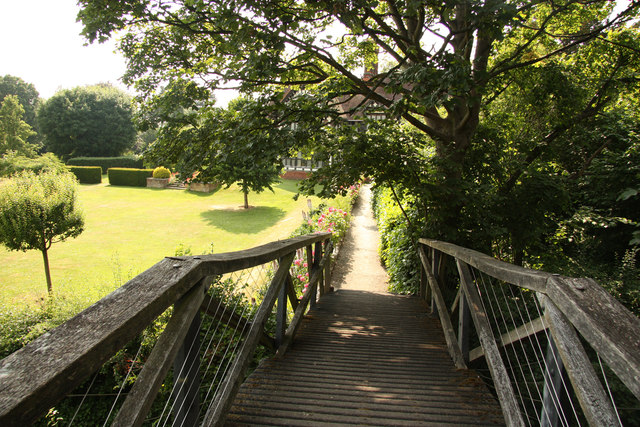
(129, 229)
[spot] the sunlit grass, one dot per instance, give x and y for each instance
(129, 229)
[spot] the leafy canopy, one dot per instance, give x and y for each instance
(92, 121)
(14, 132)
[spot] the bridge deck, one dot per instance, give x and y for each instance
(365, 358)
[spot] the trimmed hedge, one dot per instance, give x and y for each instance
(129, 177)
(107, 162)
(87, 174)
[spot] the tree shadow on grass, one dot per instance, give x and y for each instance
(244, 221)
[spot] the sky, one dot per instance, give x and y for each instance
(40, 42)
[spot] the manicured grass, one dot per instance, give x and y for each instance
(129, 229)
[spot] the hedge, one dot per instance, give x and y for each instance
(128, 176)
(107, 162)
(87, 174)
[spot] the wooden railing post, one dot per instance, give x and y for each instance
(464, 326)
(436, 258)
(310, 262)
(281, 314)
(554, 395)
(328, 248)
(186, 377)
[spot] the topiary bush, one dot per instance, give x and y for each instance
(129, 177)
(161, 172)
(107, 163)
(87, 174)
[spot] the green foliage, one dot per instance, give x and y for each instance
(87, 174)
(37, 211)
(14, 132)
(28, 97)
(129, 176)
(398, 251)
(12, 163)
(92, 121)
(20, 325)
(108, 162)
(241, 145)
(161, 172)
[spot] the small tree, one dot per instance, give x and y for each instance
(37, 211)
(236, 145)
(14, 131)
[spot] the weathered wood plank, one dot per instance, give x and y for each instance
(36, 377)
(224, 398)
(507, 399)
(519, 276)
(611, 329)
(139, 400)
(592, 397)
(447, 326)
(233, 261)
(514, 335)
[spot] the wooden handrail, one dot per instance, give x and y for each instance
(36, 377)
(608, 327)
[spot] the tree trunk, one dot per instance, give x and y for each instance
(246, 198)
(46, 270)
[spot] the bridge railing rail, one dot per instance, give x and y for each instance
(552, 347)
(196, 290)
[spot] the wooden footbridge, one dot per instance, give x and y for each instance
(527, 347)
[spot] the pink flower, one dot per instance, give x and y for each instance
(305, 265)
(331, 209)
(297, 262)
(329, 230)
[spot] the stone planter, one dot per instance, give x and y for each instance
(157, 182)
(203, 187)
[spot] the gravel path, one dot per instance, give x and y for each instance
(358, 265)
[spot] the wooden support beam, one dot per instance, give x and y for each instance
(445, 320)
(139, 400)
(501, 380)
(224, 397)
(594, 401)
(513, 336)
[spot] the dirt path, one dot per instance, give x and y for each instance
(358, 265)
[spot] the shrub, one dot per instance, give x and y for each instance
(129, 177)
(161, 172)
(87, 174)
(107, 162)
(398, 250)
(12, 163)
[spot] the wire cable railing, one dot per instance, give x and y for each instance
(221, 311)
(555, 351)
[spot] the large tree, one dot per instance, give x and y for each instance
(447, 61)
(92, 121)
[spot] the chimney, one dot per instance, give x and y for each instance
(371, 67)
